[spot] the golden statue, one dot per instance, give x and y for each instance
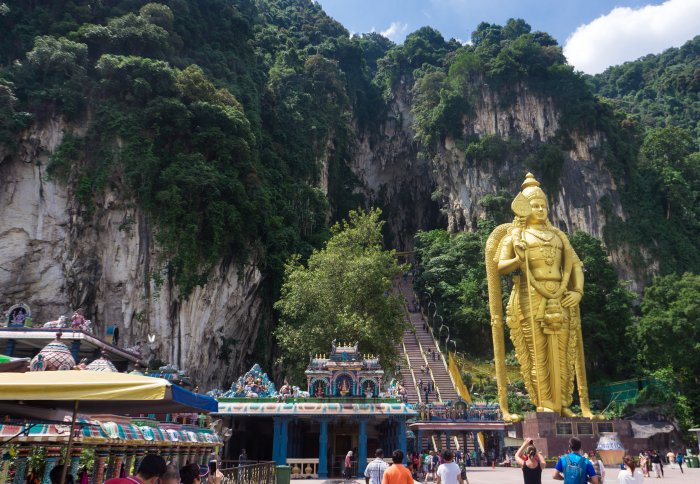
(543, 310)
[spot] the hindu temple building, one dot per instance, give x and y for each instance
(344, 408)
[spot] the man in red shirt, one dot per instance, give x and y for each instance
(397, 473)
(151, 470)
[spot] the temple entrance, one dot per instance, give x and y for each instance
(253, 434)
(343, 443)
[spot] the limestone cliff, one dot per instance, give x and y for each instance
(397, 177)
(56, 258)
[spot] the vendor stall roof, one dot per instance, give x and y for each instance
(271, 409)
(100, 392)
(28, 341)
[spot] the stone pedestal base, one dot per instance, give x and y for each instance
(551, 433)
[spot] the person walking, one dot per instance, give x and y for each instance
(573, 468)
(417, 464)
(347, 469)
(449, 472)
(597, 465)
(397, 473)
(436, 463)
(531, 461)
(671, 459)
(656, 464)
(630, 474)
(427, 463)
(643, 463)
(374, 472)
(679, 461)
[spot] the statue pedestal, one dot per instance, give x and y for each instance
(551, 433)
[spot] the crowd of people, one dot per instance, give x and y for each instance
(154, 470)
(575, 467)
(653, 461)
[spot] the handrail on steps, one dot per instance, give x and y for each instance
(430, 370)
(410, 367)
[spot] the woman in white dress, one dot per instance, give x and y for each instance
(630, 474)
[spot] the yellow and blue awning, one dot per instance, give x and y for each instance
(101, 392)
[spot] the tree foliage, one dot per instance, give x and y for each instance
(667, 334)
(198, 131)
(451, 273)
(343, 293)
(606, 312)
(658, 90)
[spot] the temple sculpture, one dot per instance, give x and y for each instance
(344, 373)
(542, 313)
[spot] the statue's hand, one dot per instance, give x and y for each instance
(571, 299)
(519, 247)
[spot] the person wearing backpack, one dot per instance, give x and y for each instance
(679, 461)
(573, 468)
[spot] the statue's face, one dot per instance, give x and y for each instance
(539, 210)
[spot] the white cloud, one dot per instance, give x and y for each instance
(626, 34)
(395, 31)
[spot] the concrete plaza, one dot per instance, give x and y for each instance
(486, 475)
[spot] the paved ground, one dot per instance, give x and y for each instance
(484, 475)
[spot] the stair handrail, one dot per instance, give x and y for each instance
(410, 368)
(437, 346)
(430, 370)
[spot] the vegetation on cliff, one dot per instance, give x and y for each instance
(214, 115)
(231, 123)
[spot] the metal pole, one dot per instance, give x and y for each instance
(64, 471)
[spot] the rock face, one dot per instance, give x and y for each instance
(398, 179)
(395, 177)
(57, 258)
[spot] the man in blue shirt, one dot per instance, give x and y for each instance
(567, 466)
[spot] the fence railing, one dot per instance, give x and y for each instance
(257, 473)
(304, 468)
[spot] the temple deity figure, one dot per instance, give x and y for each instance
(542, 313)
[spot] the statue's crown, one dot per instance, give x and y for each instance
(529, 181)
(531, 188)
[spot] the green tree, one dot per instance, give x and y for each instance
(56, 73)
(667, 335)
(668, 151)
(606, 312)
(452, 272)
(344, 293)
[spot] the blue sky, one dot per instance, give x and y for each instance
(560, 18)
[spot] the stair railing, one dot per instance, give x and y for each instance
(430, 370)
(410, 368)
(437, 346)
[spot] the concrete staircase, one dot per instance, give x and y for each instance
(417, 340)
(435, 441)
